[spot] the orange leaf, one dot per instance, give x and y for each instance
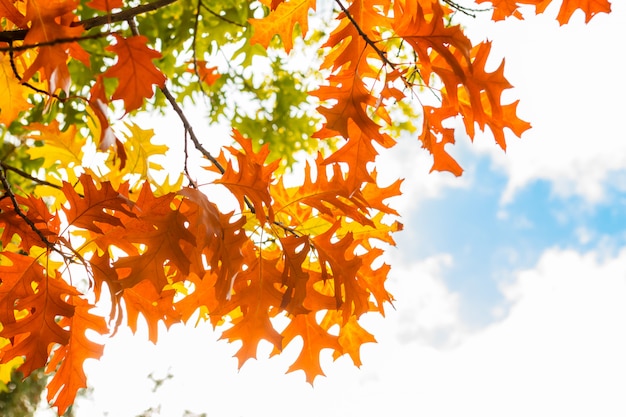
(252, 179)
(70, 376)
(152, 305)
(104, 205)
(314, 338)
(13, 98)
(134, 68)
(505, 8)
(33, 335)
(294, 278)
(37, 212)
(351, 337)
(435, 137)
(589, 7)
(50, 20)
(433, 35)
(281, 21)
(255, 295)
(342, 266)
(8, 10)
(207, 75)
(163, 232)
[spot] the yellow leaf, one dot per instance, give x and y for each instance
(13, 97)
(139, 148)
(55, 196)
(64, 148)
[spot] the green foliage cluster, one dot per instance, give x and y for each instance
(21, 397)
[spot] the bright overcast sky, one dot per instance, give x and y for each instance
(510, 281)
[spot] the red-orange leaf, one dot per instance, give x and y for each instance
(96, 206)
(8, 10)
(35, 209)
(314, 338)
(164, 234)
(135, 70)
(251, 179)
(70, 376)
(255, 294)
(342, 266)
(294, 278)
(34, 334)
(589, 7)
(154, 306)
(99, 104)
(50, 20)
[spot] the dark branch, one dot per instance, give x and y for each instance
(20, 34)
(16, 207)
(26, 175)
(181, 115)
(362, 34)
(58, 41)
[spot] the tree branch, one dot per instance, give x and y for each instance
(20, 34)
(26, 175)
(16, 207)
(371, 43)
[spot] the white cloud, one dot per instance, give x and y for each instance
(427, 312)
(559, 351)
(409, 161)
(568, 80)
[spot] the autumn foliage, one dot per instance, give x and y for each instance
(95, 235)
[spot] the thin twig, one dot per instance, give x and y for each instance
(26, 83)
(362, 34)
(24, 47)
(196, 24)
(181, 115)
(219, 16)
(465, 10)
(16, 207)
(26, 175)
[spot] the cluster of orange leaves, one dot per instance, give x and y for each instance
(304, 252)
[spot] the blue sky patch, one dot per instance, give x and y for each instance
(490, 242)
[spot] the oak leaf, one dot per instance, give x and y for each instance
(61, 147)
(27, 287)
(98, 102)
(135, 71)
(163, 233)
(314, 340)
(250, 178)
(70, 375)
(281, 21)
(155, 306)
(256, 295)
(13, 225)
(351, 336)
(8, 10)
(589, 7)
(96, 206)
(50, 21)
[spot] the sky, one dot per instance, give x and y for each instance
(510, 281)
